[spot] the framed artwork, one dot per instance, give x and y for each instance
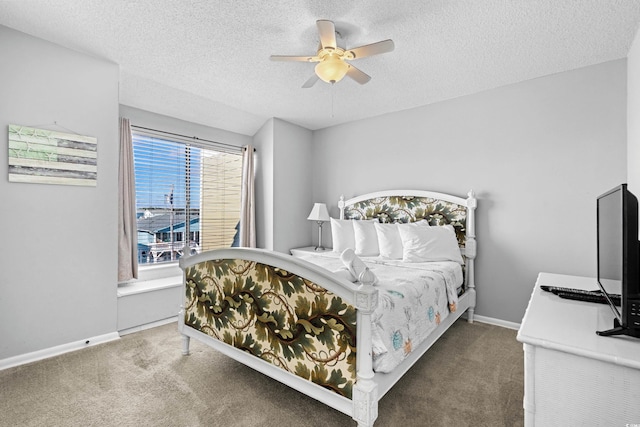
(49, 157)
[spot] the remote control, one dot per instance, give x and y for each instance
(581, 295)
(556, 289)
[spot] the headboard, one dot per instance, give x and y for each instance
(411, 206)
(415, 205)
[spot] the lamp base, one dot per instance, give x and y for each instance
(319, 247)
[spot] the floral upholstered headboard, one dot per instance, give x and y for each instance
(400, 206)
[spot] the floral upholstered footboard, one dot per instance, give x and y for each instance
(277, 316)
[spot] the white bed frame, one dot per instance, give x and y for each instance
(369, 387)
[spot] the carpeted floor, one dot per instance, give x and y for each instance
(473, 376)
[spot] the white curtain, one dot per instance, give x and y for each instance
(127, 226)
(247, 204)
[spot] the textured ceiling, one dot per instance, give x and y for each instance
(208, 61)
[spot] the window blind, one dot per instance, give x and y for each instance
(185, 192)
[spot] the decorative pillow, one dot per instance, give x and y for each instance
(342, 234)
(424, 244)
(389, 241)
(366, 238)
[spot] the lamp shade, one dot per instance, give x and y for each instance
(319, 212)
(331, 69)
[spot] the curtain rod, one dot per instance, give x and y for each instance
(188, 137)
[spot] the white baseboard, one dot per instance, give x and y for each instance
(34, 356)
(148, 326)
(497, 322)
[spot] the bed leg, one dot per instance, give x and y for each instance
(365, 403)
(365, 390)
(185, 345)
(472, 303)
(470, 313)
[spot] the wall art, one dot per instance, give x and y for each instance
(50, 157)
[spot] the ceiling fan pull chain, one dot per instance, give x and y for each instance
(332, 98)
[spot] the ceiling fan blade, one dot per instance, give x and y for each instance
(372, 49)
(294, 58)
(358, 75)
(327, 33)
(312, 80)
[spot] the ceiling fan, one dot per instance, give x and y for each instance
(331, 60)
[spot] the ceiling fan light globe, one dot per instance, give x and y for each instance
(331, 69)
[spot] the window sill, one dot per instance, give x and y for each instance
(157, 271)
(143, 286)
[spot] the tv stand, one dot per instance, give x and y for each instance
(574, 376)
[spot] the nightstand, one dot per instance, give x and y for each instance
(298, 252)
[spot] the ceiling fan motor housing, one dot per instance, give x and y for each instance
(332, 66)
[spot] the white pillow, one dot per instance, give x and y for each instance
(408, 226)
(389, 241)
(424, 244)
(342, 234)
(366, 237)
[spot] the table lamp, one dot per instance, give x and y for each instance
(319, 214)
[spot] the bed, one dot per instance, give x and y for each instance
(308, 323)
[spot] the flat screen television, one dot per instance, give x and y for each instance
(619, 258)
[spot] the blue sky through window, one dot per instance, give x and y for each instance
(159, 168)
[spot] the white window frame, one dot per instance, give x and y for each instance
(163, 270)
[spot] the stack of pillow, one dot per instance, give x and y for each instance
(410, 242)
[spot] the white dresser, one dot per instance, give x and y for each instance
(574, 377)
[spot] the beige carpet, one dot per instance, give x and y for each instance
(473, 376)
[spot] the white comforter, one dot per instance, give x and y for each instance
(413, 299)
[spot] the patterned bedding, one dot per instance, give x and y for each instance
(413, 299)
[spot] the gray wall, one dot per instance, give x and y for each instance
(58, 261)
(292, 199)
(263, 141)
(537, 153)
(283, 185)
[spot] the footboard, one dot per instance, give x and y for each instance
(294, 321)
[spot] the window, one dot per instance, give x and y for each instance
(184, 189)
